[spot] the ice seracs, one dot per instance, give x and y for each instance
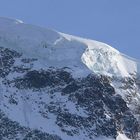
(59, 49)
(46, 77)
(103, 59)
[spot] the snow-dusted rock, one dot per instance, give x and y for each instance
(55, 86)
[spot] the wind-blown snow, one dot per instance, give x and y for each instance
(58, 49)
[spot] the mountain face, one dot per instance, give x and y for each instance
(55, 86)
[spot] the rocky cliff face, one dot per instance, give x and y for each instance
(66, 100)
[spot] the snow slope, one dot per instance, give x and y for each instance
(60, 49)
(54, 49)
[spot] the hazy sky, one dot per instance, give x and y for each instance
(116, 22)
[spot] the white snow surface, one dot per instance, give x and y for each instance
(119, 137)
(122, 137)
(57, 49)
(61, 50)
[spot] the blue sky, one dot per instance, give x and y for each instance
(116, 22)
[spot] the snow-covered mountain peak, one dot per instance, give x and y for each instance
(46, 77)
(59, 49)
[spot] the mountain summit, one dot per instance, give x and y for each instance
(55, 86)
(62, 49)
